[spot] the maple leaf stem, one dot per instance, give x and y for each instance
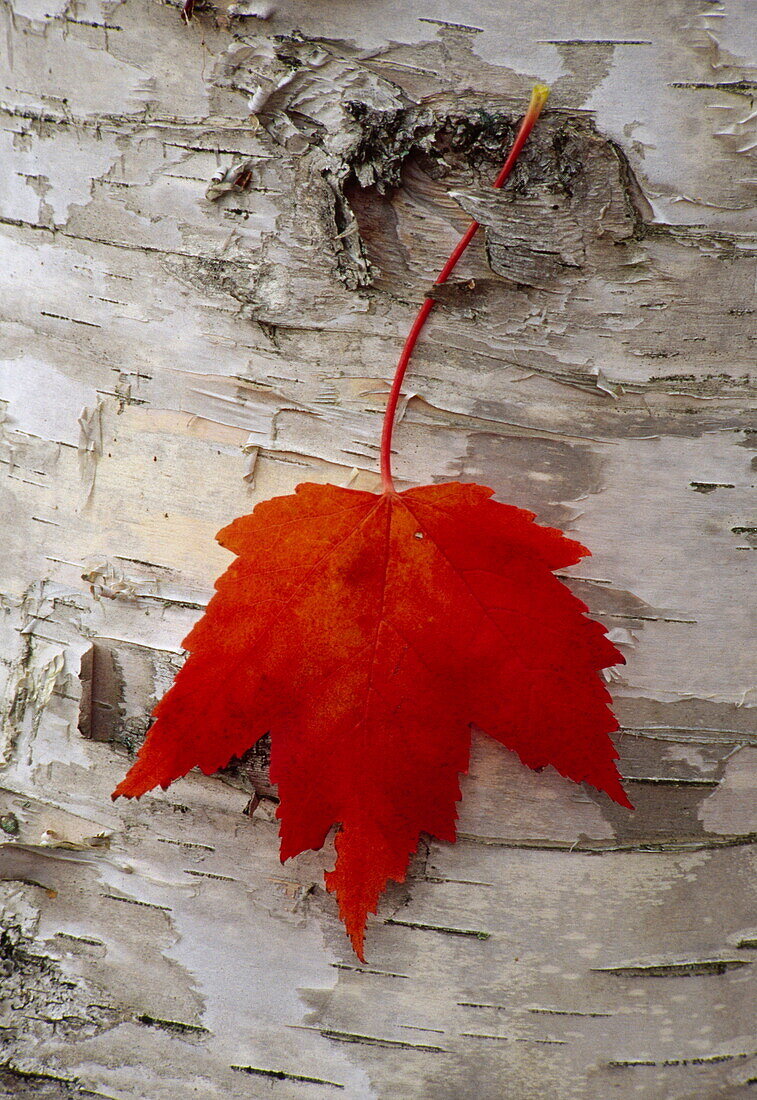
(538, 99)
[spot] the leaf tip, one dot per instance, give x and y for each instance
(125, 790)
(139, 780)
(357, 939)
(616, 791)
(622, 799)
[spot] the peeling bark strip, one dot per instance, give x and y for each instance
(593, 363)
(281, 1075)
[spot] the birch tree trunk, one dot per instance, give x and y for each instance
(169, 358)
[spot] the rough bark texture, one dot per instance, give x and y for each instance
(169, 359)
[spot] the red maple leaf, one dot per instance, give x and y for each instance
(367, 632)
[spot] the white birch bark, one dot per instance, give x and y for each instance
(168, 361)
